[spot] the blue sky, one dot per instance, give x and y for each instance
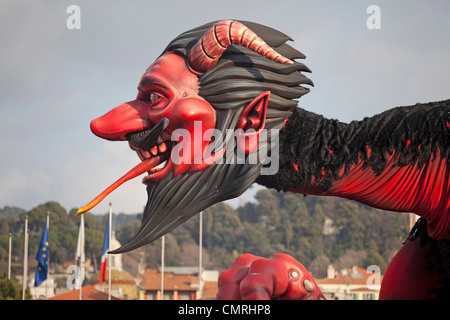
(54, 81)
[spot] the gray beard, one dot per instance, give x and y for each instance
(174, 200)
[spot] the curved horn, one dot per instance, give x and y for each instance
(210, 47)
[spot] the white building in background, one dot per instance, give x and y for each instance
(350, 284)
(116, 259)
(45, 290)
(123, 285)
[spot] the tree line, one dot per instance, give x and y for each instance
(317, 231)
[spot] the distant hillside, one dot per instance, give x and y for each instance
(120, 219)
(11, 212)
(315, 230)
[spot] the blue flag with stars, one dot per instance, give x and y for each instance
(42, 258)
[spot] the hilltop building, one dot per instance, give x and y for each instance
(350, 284)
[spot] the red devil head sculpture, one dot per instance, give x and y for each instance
(205, 100)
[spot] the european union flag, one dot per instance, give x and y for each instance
(42, 258)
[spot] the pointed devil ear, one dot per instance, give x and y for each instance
(251, 123)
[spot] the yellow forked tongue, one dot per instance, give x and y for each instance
(142, 167)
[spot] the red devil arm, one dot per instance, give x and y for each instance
(255, 278)
(422, 190)
(397, 160)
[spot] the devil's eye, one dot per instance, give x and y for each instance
(153, 98)
(157, 101)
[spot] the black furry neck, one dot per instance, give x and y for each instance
(320, 147)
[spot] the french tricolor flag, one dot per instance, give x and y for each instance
(104, 254)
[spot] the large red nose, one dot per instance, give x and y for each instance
(123, 119)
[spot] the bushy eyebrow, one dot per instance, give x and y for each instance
(149, 81)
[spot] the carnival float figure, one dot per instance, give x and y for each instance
(243, 78)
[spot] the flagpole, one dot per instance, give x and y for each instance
(200, 258)
(162, 267)
(109, 249)
(79, 259)
(48, 259)
(105, 256)
(9, 255)
(25, 259)
(81, 244)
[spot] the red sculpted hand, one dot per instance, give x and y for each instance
(279, 278)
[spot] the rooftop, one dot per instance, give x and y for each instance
(151, 280)
(88, 292)
(350, 276)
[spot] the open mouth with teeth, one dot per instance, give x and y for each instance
(157, 157)
(153, 147)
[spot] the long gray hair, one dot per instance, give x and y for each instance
(239, 76)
